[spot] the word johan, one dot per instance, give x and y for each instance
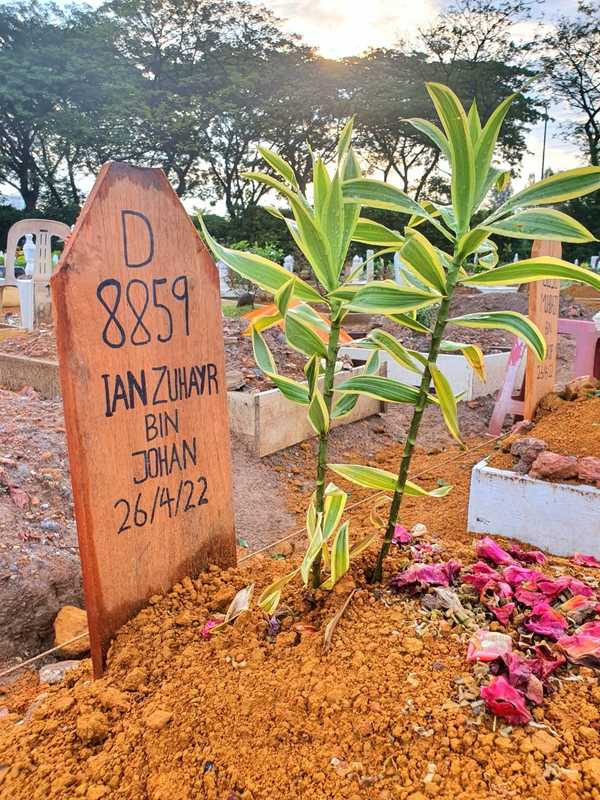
(158, 385)
(189, 496)
(157, 462)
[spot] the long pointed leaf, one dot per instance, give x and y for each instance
(447, 401)
(534, 269)
(511, 321)
(542, 223)
(386, 389)
(377, 194)
(422, 258)
(382, 480)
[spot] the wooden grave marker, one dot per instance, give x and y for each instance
(540, 378)
(140, 346)
(544, 310)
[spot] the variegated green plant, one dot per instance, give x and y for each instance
(323, 231)
(468, 146)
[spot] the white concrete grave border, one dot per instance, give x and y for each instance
(561, 518)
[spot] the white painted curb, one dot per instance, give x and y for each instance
(560, 518)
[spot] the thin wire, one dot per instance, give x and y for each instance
(254, 553)
(375, 496)
(41, 655)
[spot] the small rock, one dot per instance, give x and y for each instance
(158, 719)
(112, 698)
(554, 466)
(221, 600)
(54, 673)
(412, 646)
(69, 623)
(419, 529)
(134, 679)
(234, 379)
(588, 470)
(527, 450)
(245, 299)
(92, 727)
(546, 744)
(581, 387)
(591, 769)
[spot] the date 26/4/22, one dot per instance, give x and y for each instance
(137, 513)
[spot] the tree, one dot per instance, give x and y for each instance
(573, 69)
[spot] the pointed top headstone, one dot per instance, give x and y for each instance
(140, 344)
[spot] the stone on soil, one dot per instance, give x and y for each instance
(553, 466)
(69, 623)
(54, 673)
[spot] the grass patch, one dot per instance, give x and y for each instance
(233, 311)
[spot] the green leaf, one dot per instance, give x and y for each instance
(279, 164)
(474, 123)
(302, 338)
(534, 269)
(340, 557)
(511, 321)
(542, 223)
(447, 401)
(271, 596)
(454, 121)
(358, 548)
(382, 480)
(318, 415)
(386, 297)
(369, 232)
(434, 133)
(409, 322)
(380, 388)
(392, 346)
(347, 402)
(422, 258)
(472, 353)
(291, 389)
(332, 224)
(284, 295)
(312, 242)
(345, 138)
(377, 194)
(312, 370)
(262, 355)
(555, 189)
(264, 273)
(486, 144)
(470, 242)
(334, 504)
(321, 183)
(313, 550)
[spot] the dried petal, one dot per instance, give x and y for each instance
(480, 574)
(585, 561)
(206, 631)
(502, 613)
(421, 576)
(577, 608)
(546, 621)
(401, 535)
(505, 701)
(488, 646)
(584, 646)
(487, 548)
(527, 556)
(546, 661)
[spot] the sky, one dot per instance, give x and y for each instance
(341, 28)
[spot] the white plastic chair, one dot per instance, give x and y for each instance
(43, 230)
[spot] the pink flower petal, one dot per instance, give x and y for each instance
(206, 631)
(546, 661)
(527, 556)
(584, 646)
(516, 575)
(480, 574)
(488, 548)
(505, 701)
(585, 561)
(488, 646)
(503, 613)
(546, 621)
(401, 535)
(421, 576)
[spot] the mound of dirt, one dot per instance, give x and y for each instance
(390, 710)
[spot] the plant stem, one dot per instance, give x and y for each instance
(409, 445)
(331, 358)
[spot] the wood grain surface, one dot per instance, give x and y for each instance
(138, 322)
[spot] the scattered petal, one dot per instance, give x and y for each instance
(206, 631)
(585, 561)
(583, 647)
(527, 556)
(505, 701)
(401, 535)
(421, 576)
(488, 646)
(546, 621)
(488, 548)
